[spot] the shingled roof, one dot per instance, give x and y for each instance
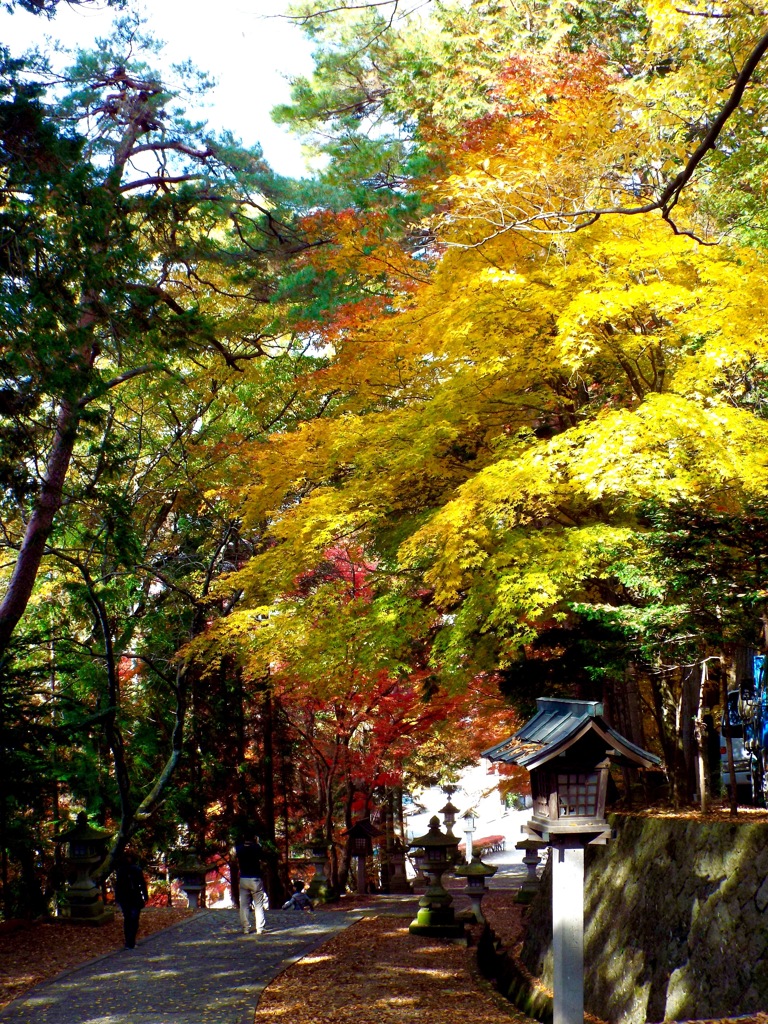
(557, 725)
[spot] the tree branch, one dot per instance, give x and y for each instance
(160, 179)
(159, 293)
(554, 220)
(302, 19)
(178, 147)
(117, 381)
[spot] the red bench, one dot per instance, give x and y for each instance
(488, 844)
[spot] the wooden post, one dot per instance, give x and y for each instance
(568, 931)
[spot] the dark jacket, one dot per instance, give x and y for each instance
(249, 859)
(130, 886)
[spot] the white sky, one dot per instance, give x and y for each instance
(243, 44)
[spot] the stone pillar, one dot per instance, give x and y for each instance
(532, 858)
(568, 931)
(398, 882)
(319, 888)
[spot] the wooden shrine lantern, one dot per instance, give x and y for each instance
(361, 837)
(568, 748)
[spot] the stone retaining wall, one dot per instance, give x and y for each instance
(676, 922)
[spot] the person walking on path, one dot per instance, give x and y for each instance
(250, 861)
(131, 894)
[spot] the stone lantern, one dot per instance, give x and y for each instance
(531, 849)
(398, 880)
(476, 873)
(568, 748)
(449, 813)
(319, 888)
(435, 915)
(85, 847)
(191, 872)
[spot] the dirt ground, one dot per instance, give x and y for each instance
(32, 953)
(376, 972)
(372, 973)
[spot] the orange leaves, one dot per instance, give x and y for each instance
(376, 973)
(541, 78)
(361, 245)
(356, 276)
(538, 91)
(555, 144)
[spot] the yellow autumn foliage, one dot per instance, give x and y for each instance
(501, 427)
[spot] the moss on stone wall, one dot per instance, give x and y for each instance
(676, 922)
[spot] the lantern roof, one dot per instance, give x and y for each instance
(476, 869)
(434, 838)
(82, 832)
(363, 827)
(559, 724)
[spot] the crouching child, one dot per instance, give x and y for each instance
(299, 900)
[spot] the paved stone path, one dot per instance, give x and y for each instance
(202, 971)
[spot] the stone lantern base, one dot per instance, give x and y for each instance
(398, 881)
(435, 916)
(320, 891)
(438, 923)
(70, 915)
(193, 887)
(84, 906)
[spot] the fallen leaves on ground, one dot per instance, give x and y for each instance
(507, 917)
(31, 952)
(376, 972)
(718, 810)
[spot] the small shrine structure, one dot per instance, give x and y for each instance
(361, 836)
(568, 748)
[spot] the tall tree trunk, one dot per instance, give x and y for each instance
(40, 523)
(346, 859)
(668, 737)
(138, 819)
(330, 780)
(275, 887)
(400, 815)
(700, 730)
(689, 704)
(268, 761)
(725, 675)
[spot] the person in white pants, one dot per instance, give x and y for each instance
(250, 861)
